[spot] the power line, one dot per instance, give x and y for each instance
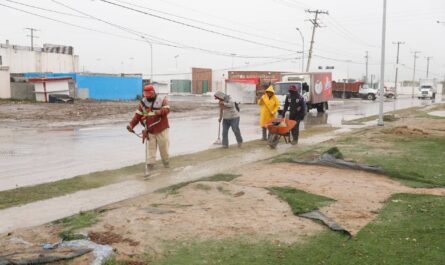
(141, 40)
(195, 27)
(44, 9)
(162, 41)
(230, 68)
(205, 23)
(315, 25)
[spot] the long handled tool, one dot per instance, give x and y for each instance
(145, 139)
(218, 141)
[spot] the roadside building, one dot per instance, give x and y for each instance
(265, 77)
(50, 58)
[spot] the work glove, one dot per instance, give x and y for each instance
(130, 129)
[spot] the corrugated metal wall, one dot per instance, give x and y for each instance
(181, 86)
(103, 87)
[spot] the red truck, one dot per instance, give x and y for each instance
(353, 90)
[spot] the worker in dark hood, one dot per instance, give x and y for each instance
(269, 104)
(230, 117)
(296, 105)
(152, 115)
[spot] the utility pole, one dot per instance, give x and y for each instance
(414, 73)
(382, 67)
(315, 25)
(428, 65)
(367, 61)
(32, 36)
(397, 67)
(302, 52)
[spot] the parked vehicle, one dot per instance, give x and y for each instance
(316, 89)
(353, 90)
(243, 90)
(427, 89)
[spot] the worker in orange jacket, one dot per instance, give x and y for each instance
(152, 114)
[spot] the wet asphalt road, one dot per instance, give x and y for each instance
(33, 156)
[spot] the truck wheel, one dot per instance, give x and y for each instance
(320, 108)
(370, 97)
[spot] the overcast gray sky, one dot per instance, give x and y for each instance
(258, 35)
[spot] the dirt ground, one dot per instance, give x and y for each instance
(217, 210)
(81, 113)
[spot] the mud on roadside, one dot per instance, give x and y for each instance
(242, 207)
(80, 113)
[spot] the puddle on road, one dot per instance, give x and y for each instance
(30, 156)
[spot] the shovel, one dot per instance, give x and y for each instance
(218, 141)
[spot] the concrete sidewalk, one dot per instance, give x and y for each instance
(42, 212)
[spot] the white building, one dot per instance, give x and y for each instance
(50, 58)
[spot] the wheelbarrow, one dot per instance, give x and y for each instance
(279, 128)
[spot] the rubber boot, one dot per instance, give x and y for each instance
(264, 134)
(294, 140)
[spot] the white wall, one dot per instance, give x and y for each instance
(52, 87)
(5, 85)
(26, 61)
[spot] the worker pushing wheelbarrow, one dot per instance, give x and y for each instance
(279, 128)
(288, 128)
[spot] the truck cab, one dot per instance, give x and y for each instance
(282, 89)
(427, 89)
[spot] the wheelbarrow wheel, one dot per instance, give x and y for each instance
(273, 140)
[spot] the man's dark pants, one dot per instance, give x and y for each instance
(234, 123)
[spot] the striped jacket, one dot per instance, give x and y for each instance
(153, 114)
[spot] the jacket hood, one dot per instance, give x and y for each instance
(270, 89)
(220, 95)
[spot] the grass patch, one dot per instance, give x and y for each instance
(15, 197)
(218, 177)
(73, 223)
(300, 201)
(418, 159)
(409, 230)
(415, 161)
(335, 152)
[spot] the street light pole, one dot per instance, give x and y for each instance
(151, 57)
(302, 52)
(382, 67)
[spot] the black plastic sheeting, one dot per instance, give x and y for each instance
(317, 215)
(42, 256)
(59, 98)
(329, 160)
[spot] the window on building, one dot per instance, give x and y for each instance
(1, 61)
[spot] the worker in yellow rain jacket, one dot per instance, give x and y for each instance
(269, 107)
